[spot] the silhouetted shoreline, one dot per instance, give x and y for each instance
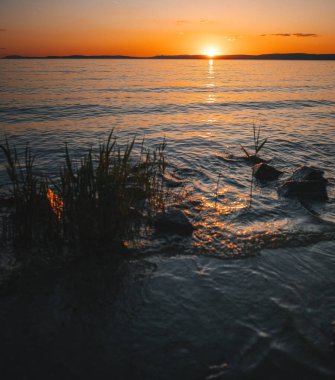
(289, 56)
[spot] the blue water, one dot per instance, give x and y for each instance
(263, 317)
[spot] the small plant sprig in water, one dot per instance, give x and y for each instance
(258, 144)
(254, 158)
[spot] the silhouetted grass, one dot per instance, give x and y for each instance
(258, 144)
(30, 216)
(106, 196)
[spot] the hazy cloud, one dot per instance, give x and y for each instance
(306, 35)
(182, 22)
(2, 48)
(3, 30)
(291, 35)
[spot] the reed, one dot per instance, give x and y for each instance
(254, 158)
(257, 142)
(30, 217)
(107, 196)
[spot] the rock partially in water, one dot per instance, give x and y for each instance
(175, 221)
(265, 172)
(307, 183)
(254, 159)
(308, 173)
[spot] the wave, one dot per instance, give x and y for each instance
(84, 111)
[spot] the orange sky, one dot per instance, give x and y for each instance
(151, 27)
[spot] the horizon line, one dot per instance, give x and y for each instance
(327, 56)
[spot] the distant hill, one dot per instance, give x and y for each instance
(71, 57)
(288, 56)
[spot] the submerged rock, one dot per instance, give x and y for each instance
(175, 221)
(265, 172)
(307, 183)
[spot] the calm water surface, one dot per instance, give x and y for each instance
(183, 312)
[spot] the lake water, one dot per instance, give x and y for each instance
(183, 312)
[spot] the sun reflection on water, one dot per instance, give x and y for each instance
(219, 234)
(211, 97)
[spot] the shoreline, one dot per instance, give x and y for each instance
(276, 56)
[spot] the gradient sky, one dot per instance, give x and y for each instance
(150, 27)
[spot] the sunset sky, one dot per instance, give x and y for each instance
(151, 27)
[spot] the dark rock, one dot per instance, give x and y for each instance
(174, 221)
(254, 159)
(305, 189)
(265, 172)
(308, 173)
(305, 183)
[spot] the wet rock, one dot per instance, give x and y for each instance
(265, 172)
(308, 173)
(254, 159)
(175, 221)
(306, 183)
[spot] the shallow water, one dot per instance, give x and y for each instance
(257, 315)
(174, 317)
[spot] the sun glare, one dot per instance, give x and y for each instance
(211, 52)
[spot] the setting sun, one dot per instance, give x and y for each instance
(211, 52)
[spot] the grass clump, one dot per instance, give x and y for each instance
(106, 197)
(30, 216)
